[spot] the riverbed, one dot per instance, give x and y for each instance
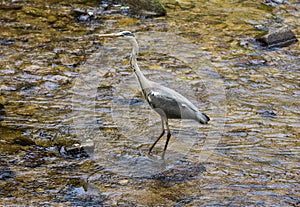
(75, 129)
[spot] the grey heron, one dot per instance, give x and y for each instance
(168, 103)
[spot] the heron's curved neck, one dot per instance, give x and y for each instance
(142, 80)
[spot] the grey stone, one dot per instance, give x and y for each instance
(278, 38)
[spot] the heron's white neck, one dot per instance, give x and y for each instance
(142, 80)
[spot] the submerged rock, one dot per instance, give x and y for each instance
(77, 150)
(23, 141)
(51, 19)
(5, 171)
(6, 41)
(274, 2)
(146, 8)
(33, 159)
(82, 191)
(278, 38)
(10, 6)
(33, 11)
(267, 113)
(2, 112)
(181, 173)
(83, 14)
(2, 108)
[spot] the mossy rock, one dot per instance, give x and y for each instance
(33, 11)
(51, 19)
(146, 8)
(13, 140)
(2, 100)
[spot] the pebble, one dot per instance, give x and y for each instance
(123, 182)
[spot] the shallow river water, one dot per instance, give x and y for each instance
(75, 129)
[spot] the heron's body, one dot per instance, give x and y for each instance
(168, 103)
(171, 104)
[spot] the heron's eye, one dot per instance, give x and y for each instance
(127, 34)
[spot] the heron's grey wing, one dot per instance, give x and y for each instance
(172, 104)
(164, 104)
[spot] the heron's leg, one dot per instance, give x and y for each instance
(161, 134)
(168, 139)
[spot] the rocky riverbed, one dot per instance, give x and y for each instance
(75, 130)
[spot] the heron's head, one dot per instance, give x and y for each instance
(124, 34)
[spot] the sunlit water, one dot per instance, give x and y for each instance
(134, 119)
(250, 149)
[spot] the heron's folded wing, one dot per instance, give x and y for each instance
(164, 104)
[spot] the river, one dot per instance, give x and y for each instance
(75, 129)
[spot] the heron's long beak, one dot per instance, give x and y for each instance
(112, 35)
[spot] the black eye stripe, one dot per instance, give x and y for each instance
(128, 34)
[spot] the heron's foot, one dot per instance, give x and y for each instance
(156, 157)
(149, 152)
(162, 156)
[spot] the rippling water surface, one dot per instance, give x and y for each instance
(61, 88)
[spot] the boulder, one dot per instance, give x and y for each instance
(278, 38)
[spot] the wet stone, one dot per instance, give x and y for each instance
(278, 38)
(5, 171)
(172, 4)
(33, 159)
(12, 6)
(85, 18)
(69, 61)
(274, 2)
(250, 60)
(80, 191)
(180, 173)
(2, 112)
(147, 8)
(124, 182)
(267, 113)
(6, 41)
(2, 100)
(82, 14)
(33, 11)
(131, 102)
(33, 69)
(26, 111)
(76, 150)
(59, 79)
(51, 19)
(24, 141)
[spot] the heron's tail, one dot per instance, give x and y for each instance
(202, 118)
